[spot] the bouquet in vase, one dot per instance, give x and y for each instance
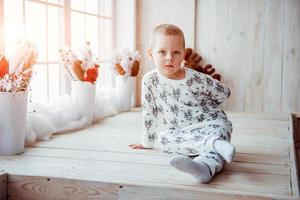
(83, 67)
(125, 63)
(16, 73)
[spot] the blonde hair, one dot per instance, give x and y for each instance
(167, 30)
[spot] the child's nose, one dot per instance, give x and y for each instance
(169, 58)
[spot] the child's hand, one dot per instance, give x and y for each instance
(137, 146)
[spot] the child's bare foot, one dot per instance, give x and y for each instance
(137, 146)
(196, 168)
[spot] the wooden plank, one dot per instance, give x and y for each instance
(267, 159)
(296, 125)
(259, 115)
(291, 57)
(293, 159)
(205, 26)
(266, 120)
(273, 51)
(37, 188)
(147, 157)
(103, 142)
(251, 167)
(231, 41)
(27, 188)
(273, 133)
(129, 173)
(263, 144)
(260, 123)
(298, 161)
(3, 185)
(243, 146)
(254, 168)
(253, 62)
(260, 150)
(257, 43)
(155, 193)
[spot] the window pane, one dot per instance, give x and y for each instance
(13, 22)
(105, 36)
(102, 38)
(58, 2)
(48, 81)
(53, 32)
(54, 81)
(92, 32)
(39, 84)
(35, 21)
(108, 8)
(77, 4)
(91, 6)
(77, 30)
(108, 34)
(105, 8)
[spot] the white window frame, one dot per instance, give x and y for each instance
(66, 34)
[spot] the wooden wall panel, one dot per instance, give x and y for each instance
(154, 12)
(223, 44)
(273, 51)
(254, 44)
(252, 75)
(291, 57)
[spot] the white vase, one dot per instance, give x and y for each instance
(125, 92)
(13, 112)
(83, 93)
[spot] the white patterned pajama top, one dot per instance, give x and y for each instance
(185, 115)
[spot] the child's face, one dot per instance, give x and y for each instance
(167, 54)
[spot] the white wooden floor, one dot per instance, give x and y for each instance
(96, 163)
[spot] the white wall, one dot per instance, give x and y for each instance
(253, 44)
(125, 24)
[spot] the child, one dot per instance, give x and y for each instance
(185, 104)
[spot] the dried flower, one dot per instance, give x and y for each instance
(83, 68)
(16, 74)
(125, 62)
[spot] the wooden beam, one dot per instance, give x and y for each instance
(33, 188)
(293, 159)
(3, 183)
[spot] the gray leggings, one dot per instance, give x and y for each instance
(197, 139)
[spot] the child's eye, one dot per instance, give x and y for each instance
(177, 52)
(161, 52)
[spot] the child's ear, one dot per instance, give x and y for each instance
(149, 51)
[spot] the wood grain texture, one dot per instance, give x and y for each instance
(37, 188)
(96, 163)
(273, 51)
(254, 45)
(293, 156)
(291, 57)
(3, 185)
(155, 12)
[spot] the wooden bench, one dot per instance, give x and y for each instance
(96, 163)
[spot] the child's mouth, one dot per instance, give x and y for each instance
(169, 66)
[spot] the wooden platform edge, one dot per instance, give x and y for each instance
(293, 159)
(33, 187)
(3, 185)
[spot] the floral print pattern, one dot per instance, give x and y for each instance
(189, 113)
